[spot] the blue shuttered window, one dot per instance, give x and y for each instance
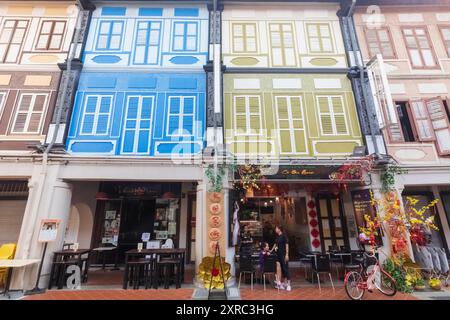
(110, 35)
(138, 123)
(185, 36)
(181, 117)
(96, 115)
(147, 42)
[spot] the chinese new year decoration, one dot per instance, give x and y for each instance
(207, 271)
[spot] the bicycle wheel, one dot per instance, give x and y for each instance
(353, 288)
(385, 284)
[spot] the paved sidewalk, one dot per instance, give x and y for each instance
(305, 293)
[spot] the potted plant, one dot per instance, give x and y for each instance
(419, 284)
(435, 284)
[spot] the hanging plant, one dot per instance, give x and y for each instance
(249, 176)
(215, 180)
(388, 177)
(356, 170)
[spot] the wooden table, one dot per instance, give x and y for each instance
(62, 255)
(134, 253)
(11, 264)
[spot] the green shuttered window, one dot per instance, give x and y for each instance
(282, 44)
(332, 115)
(244, 37)
(319, 38)
(248, 118)
(291, 126)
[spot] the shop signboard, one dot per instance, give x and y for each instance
(49, 230)
(302, 172)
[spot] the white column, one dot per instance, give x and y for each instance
(53, 202)
(200, 226)
(442, 216)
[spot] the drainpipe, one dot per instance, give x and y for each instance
(357, 60)
(216, 72)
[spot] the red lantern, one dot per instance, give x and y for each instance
(316, 243)
(311, 204)
(315, 233)
(313, 223)
(313, 213)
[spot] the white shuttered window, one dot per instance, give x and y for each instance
(29, 113)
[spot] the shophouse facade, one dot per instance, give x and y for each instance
(413, 43)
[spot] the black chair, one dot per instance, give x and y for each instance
(305, 261)
(344, 249)
(323, 265)
(352, 261)
(246, 266)
(336, 261)
(270, 267)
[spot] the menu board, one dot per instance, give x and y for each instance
(111, 225)
(362, 203)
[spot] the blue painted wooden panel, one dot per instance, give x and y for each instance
(186, 12)
(144, 114)
(150, 12)
(113, 11)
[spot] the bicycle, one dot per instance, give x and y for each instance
(373, 276)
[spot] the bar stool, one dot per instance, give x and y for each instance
(171, 270)
(139, 271)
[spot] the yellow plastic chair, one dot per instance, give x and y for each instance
(7, 252)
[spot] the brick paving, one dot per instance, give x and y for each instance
(304, 293)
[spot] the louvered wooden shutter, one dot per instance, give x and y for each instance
(283, 123)
(255, 114)
(325, 116)
(440, 124)
(394, 129)
(89, 114)
(241, 117)
(36, 114)
(339, 115)
(422, 120)
(103, 115)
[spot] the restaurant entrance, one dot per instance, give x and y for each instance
(132, 213)
(332, 222)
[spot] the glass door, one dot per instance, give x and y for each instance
(191, 227)
(331, 223)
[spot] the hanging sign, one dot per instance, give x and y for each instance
(49, 230)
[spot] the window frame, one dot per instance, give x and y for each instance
(51, 34)
(390, 40)
(181, 115)
(110, 34)
(291, 121)
(244, 37)
(147, 41)
(3, 102)
(138, 119)
(282, 46)
(430, 42)
(9, 43)
(332, 115)
(248, 114)
(445, 42)
(96, 114)
(185, 36)
(330, 29)
(32, 103)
